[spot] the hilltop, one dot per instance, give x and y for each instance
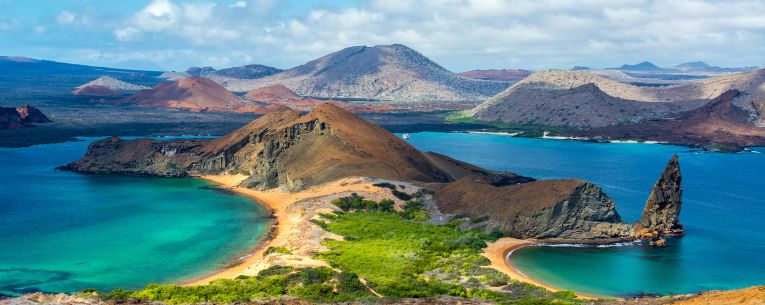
(242, 72)
(583, 99)
(289, 151)
(192, 93)
(283, 96)
(719, 125)
(21, 117)
(386, 72)
(505, 75)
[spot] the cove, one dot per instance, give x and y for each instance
(64, 232)
(723, 208)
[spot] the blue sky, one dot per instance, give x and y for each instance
(459, 34)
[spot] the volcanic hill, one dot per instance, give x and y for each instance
(290, 151)
(281, 95)
(582, 99)
(386, 72)
(21, 117)
(192, 93)
(718, 123)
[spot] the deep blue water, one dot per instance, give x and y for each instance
(723, 212)
(63, 232)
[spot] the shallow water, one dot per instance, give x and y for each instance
(723, 212)
(63, 232)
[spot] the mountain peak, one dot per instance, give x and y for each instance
(386, 72)
(642, 66)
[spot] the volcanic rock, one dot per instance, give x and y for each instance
(662, 209)
(21, 117)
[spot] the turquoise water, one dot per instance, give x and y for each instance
(723, 212)
(63, 232)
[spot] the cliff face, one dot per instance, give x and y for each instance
(292, 152)
(548, 209)
(662, 209)
(563, 210)
(283, 149)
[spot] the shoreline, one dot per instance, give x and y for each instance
(498, 253)
(291, 227)
(255, 254)
(277, 202)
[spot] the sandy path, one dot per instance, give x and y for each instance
(290, 228)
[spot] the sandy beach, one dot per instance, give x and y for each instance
(292, 228)
(497, 251)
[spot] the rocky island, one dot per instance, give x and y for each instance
(293, 152)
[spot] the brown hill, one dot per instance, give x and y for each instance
(505, 75)
(272, 94)
(192, 93)
(291, 151)
(283, 96)
(718, 122)
(96, 90)
(282, 149)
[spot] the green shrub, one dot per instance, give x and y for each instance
(401, 195)
(281, 250)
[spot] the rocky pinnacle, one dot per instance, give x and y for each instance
(661, 214)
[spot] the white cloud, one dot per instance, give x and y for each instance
(239, 4)
(127, 34)
(39, 29)
(65, 17)
(462, 34)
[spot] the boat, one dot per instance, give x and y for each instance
(405, 136)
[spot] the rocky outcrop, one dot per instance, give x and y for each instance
(279, 150)
(719, 125)
(662, 209)
(290, 151)
(560, 210)
(21, 117)
(568, 210)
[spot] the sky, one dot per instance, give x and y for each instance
(458, 34)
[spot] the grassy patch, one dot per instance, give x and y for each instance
(313, 284)
(407, 258)
(524, 130)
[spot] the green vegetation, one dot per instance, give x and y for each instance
(723, 148)
(281, 250)
(313, 284)
(530, 130)
(399, 254)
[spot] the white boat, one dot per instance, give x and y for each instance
(405, 136)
